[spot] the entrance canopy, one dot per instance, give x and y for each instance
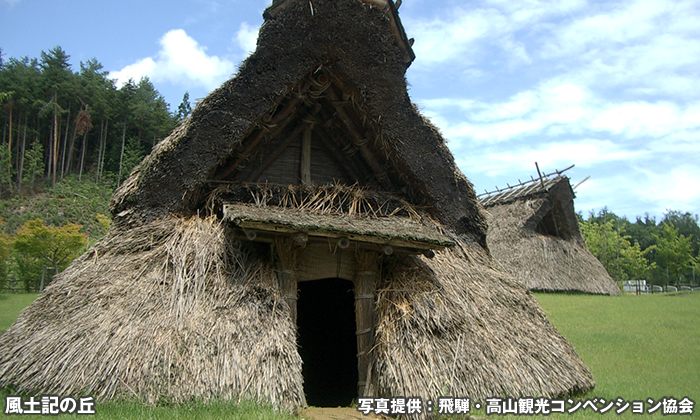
(401, 233)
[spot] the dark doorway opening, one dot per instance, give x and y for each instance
(327, 342)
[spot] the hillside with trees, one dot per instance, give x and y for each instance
(69, 138)
(57, 121)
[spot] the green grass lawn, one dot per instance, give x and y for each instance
(11, 305)
(638, 347)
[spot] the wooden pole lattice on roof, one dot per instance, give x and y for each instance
(541, 179)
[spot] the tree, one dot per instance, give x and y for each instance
(133, 155)
(8, 101)
(5, 245)
(621, 259)
(687, 225)
(5, 169)
(33, 163)
(100, 93)
(642, 230)
(604, 216)
(149, 113)
(83, 125)
(185, 109)
(55, 246)
(673, 251)
(57, 74)
(23, 77)
(45, 100)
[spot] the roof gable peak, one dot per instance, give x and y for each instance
(390, 9)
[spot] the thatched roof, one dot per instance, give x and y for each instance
(174, 304)
(534, 233)
(344, 59)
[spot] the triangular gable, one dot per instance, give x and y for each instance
(554, 222)
(318, 133)
(551, 198)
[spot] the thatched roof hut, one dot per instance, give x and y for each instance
(533, 232)
(305, 224)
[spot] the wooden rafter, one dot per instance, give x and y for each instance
(348, 151)
(359, 141)
(289, 140)
(278, 122)
(305, 161)
(344, 161)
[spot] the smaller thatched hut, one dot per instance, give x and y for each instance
(533, 231)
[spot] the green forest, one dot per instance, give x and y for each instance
(69, 138)
(663, 253)
(58, 122)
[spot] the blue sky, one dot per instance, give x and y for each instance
(610, 86)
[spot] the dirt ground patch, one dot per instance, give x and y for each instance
(335, 413)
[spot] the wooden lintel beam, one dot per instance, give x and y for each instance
(396, 243)
(269, 237)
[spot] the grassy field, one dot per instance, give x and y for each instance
(11, 305)
(638, 347)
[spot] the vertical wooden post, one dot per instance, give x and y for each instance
(366, 280)
(539, 173)
(306, 156)
(287, 255)
(288, 286)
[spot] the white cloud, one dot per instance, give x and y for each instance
(144, 67)
(677, 188)
(584, 153)
(441, 40)
(547, 107)
(647, 47)
(463, 34)
(181, 60)
(247, 37)
(612, 86)
(555, 109)
(638, 119)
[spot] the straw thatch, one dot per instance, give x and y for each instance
(182, 300)
(455, 325)
(534, 234)
(342, 57)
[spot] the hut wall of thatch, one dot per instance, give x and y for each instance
(166, 312)
(479, 333)
(536, 238)
(175, 310)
